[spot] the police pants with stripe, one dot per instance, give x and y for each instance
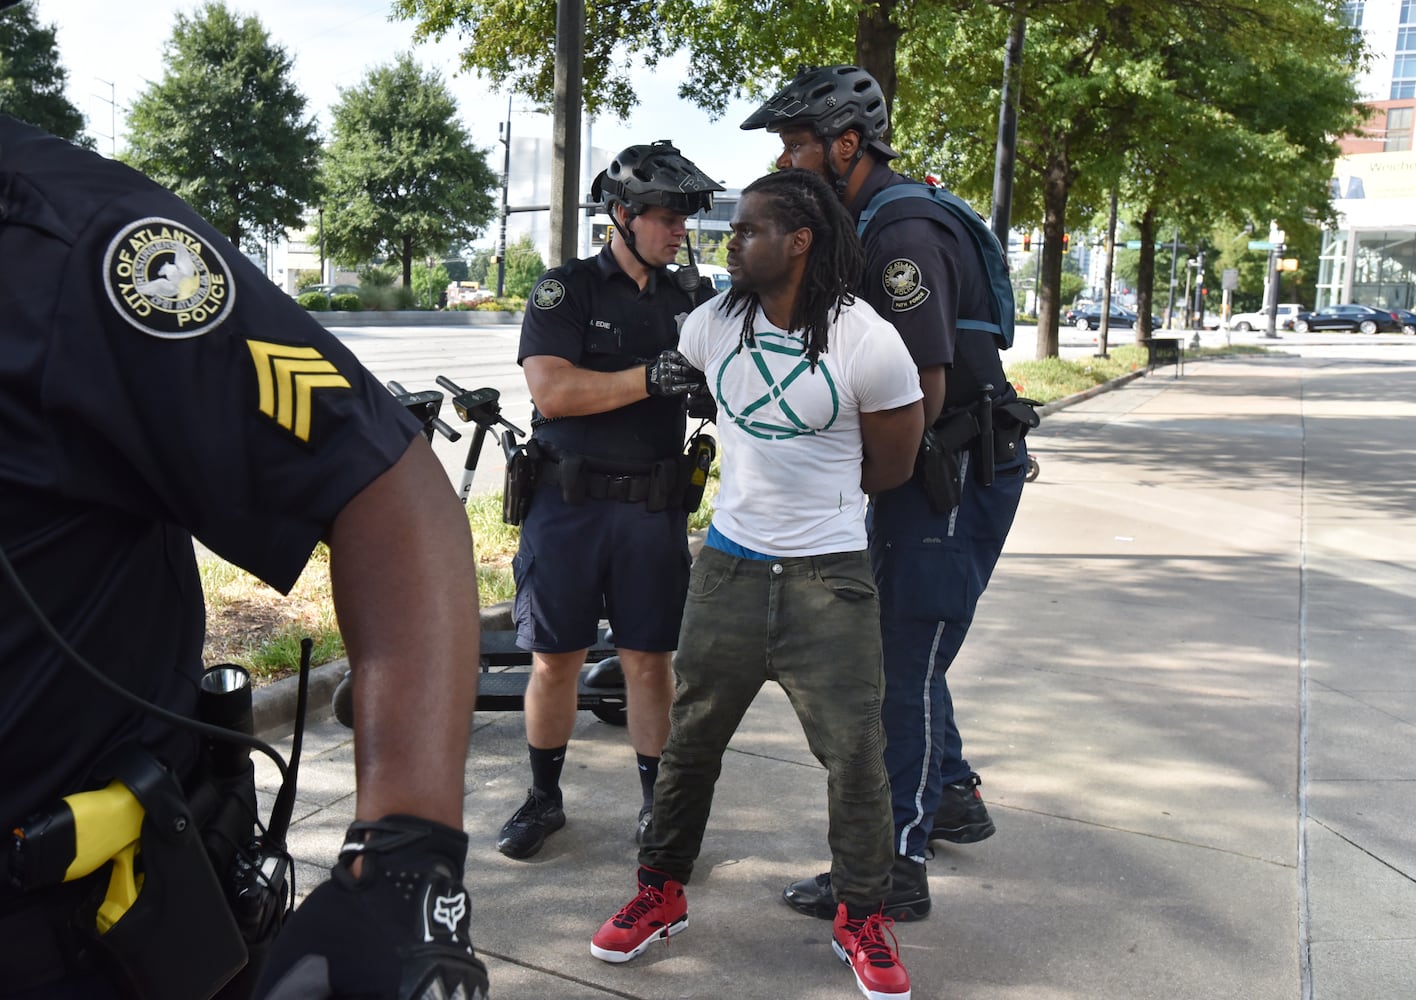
(932, 569)
(811, 624)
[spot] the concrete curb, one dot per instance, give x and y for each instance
(273, 705)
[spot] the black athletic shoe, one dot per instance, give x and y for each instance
(908, 898)
(962, 817)
(641, 829)
(523, 834)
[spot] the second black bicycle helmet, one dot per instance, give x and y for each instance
(829, 99)
(656, 174)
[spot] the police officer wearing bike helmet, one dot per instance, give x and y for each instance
(605, 535)
(925, 276)
(155, 386)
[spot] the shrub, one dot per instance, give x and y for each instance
(346, 302)
(314, 301)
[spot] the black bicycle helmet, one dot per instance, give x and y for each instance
(656, 174)
(830, 99)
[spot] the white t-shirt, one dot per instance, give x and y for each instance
(791, 437)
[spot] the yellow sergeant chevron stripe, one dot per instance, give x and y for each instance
(287, 376)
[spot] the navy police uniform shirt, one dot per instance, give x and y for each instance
(594, 315)
(922, 274)
(153, 386)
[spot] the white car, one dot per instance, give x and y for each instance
(1287, 312)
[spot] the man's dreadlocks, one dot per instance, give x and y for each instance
(800, 199)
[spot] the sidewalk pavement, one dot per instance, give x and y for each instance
(1189, 691)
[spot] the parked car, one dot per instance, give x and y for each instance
(331, 289)
(1090, 318)
(1348, 316)
(1408, 320)
(1286, 313)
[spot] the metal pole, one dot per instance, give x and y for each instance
(565, 128)
(504, 128)
(1170, 302)
(1105, 331)
(1006, 150)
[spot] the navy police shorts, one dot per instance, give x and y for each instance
(599, 559)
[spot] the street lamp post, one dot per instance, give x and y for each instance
(505, 134)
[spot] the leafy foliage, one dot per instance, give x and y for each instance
(402, 178)
(523, 266)
(226, 129)
(32, 78)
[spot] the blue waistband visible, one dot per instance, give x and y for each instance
(717, 540)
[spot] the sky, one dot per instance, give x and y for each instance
(112, 50)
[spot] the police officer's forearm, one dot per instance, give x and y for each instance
(563, 390)
(404, 579)
(931, 381)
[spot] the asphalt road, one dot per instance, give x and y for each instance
(485, 356)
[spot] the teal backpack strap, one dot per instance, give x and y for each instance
(990, 252)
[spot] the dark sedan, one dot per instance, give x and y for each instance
(1408, 320)
(1090, 318)
(1363, 319)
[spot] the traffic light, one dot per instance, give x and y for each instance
(1027, 242)
(1066, 242)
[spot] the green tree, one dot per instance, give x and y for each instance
(32, 78)
(226, 129)
(402, 178)
(523, 266)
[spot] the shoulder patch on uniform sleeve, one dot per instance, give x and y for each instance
(547, 294)
(904, 284)
(166, 281)
(287, 377)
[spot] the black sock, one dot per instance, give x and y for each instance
(648, 774)
(546, 771)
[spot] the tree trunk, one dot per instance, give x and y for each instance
(1057, 184)
(877, 37)
(407, 255)
(1145, 276)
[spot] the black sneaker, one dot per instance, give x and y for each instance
(523, 834)
(962, 817)
(908, 898)
(641, 829)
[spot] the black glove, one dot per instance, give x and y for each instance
(670, 374)
(701, 405)
(397, 932)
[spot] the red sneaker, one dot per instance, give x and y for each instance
(655, 914)
(868, 946)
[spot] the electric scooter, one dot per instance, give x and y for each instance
(505, 669)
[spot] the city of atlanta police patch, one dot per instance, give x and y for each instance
(547, 294)
(166, 281)
(903, 284)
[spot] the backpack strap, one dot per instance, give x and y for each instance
(983, 239)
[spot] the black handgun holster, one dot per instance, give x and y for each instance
(520, 483)
(937, 463)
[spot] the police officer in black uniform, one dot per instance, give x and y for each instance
(925, 275)
(154, 386)
(606, 531)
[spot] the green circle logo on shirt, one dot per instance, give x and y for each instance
(548, 294)
(167, 282)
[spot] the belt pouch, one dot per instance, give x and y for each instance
(573, 479)
(520, 485)
(665, 489)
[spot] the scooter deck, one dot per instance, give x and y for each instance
(502, 689)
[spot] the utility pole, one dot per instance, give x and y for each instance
(1276, 248)
(565, 129)
(112, 101)
(504, 132)
(1105, 330)
(1006, 150)
(1170, 301)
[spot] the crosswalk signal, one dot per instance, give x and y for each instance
(1066, 242)
(1027, 242)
